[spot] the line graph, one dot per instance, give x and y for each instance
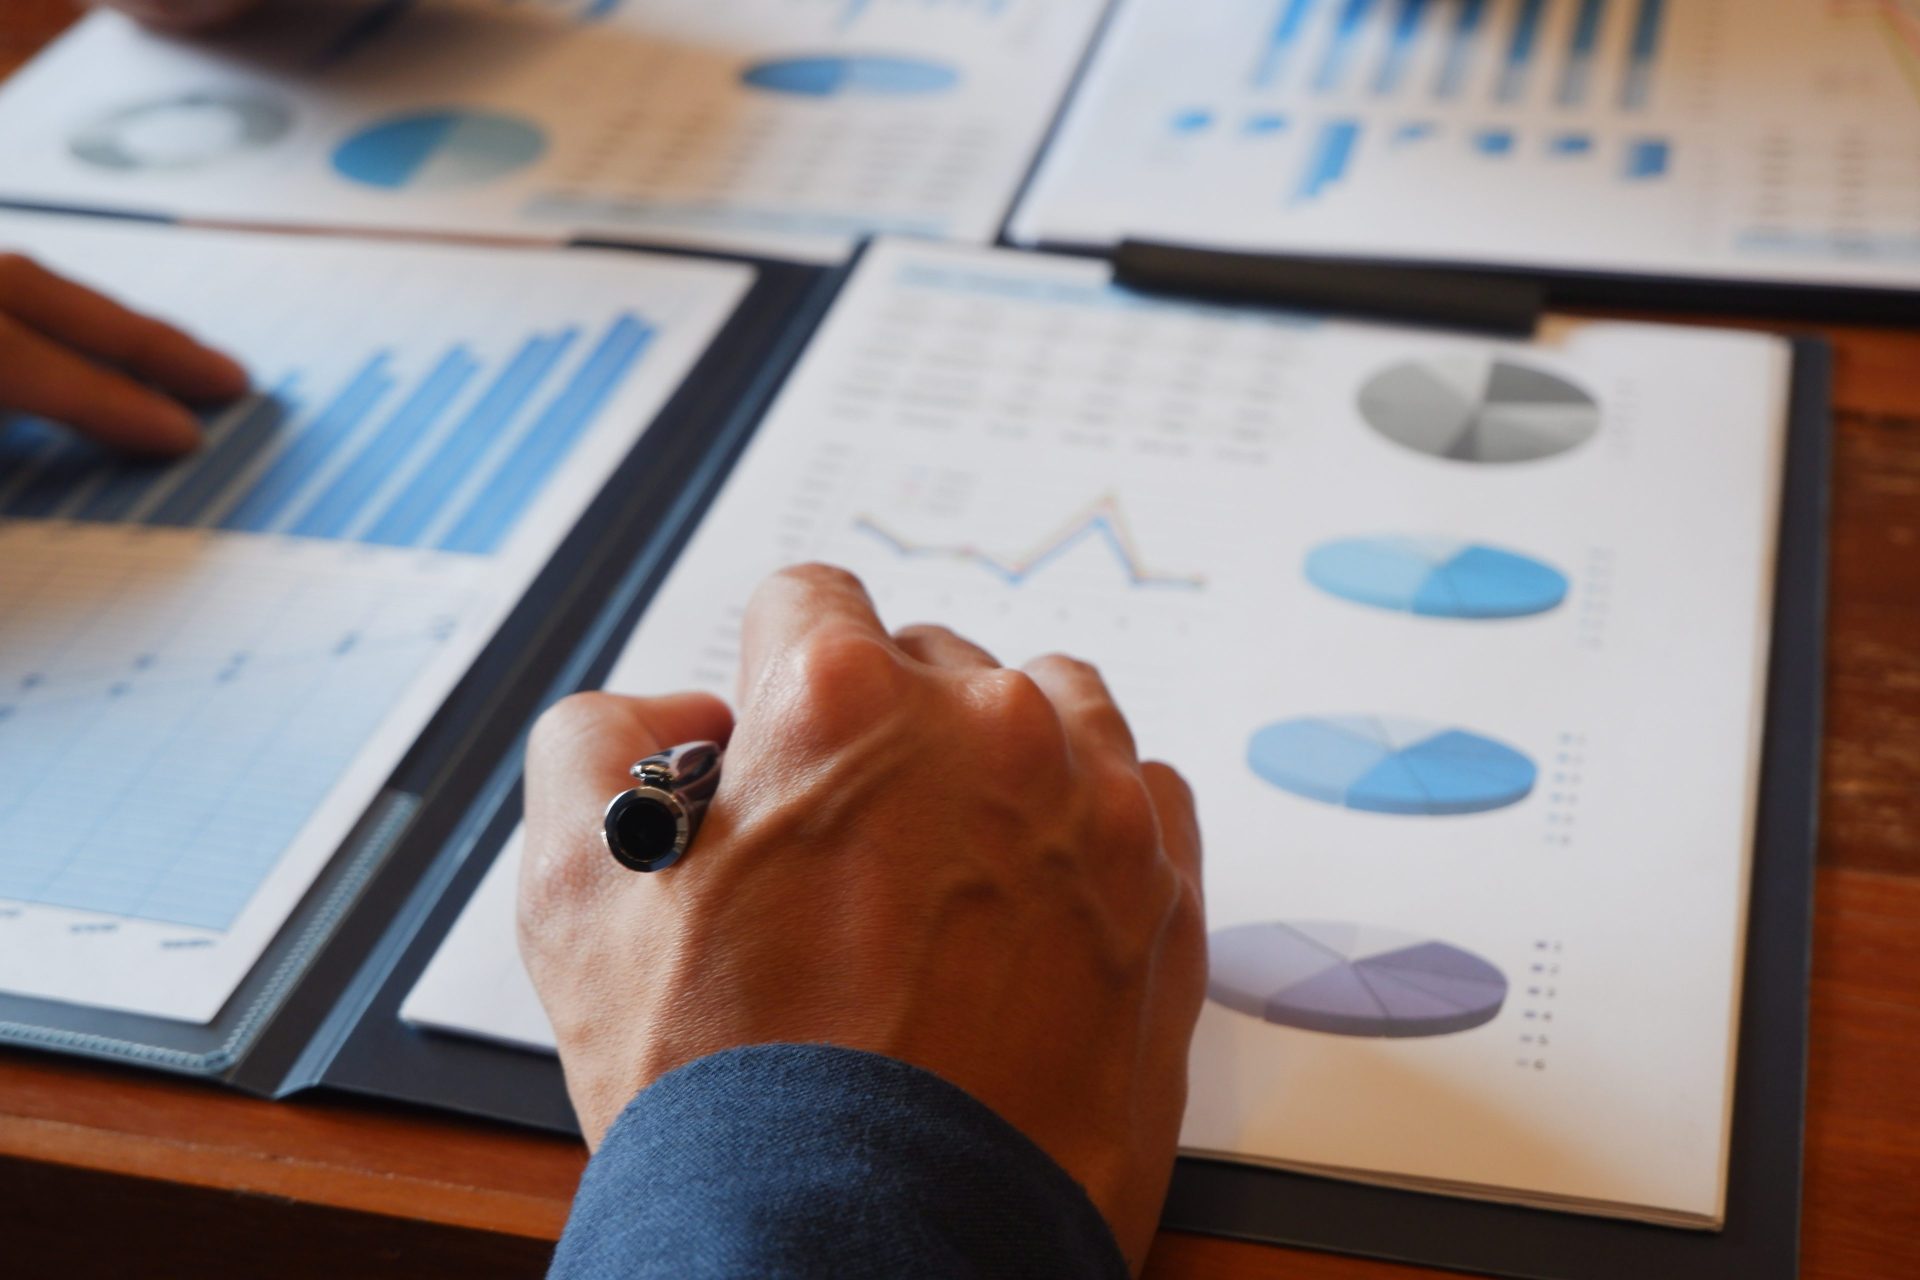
(1101, 521)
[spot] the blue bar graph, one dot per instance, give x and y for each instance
(1493, 142)
(1194, 120)
(1636, 89)
(1580, 48)
(335, 511)
(484, 525)
(427, 496)
(1287, 25)
(272, 495)
(398, 450)
(1406, 33)
(1332, 152)
(1461, 42)
(1520, 48)
(69, 462)
(1264, 123)
(1413, 131)
(222, 460)
(1346, 34)
(1570, 144)
(1646, 158)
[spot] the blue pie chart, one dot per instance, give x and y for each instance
(836, 75)
(439, 149)
(1380, 764)
(1436, 577)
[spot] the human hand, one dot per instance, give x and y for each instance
(180, 15)
(914, 851)
(62, 349)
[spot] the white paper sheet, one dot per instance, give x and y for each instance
(787, 127)
(208, 670)
(1004, 443)
(1770, 140)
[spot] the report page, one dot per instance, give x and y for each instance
(1768, 140)
(783, 127)
(208, 669)
(1460, 643)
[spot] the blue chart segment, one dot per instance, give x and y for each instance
(1351, 980)
(1382, 765)
(1436, 577)
(1102, 522)
(448, 453)
(436, 150)
(838, 75)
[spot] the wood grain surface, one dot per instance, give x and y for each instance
(113, 1173)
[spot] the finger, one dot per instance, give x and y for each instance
(577, 761)
(1179, 820)
(75, 316)
(940, 647)
(1086, 707)
(43, 378)
(795, 603)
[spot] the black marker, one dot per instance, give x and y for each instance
(650, 826)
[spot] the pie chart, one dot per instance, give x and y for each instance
(182, 132)
(1477, 408)
(439, 149)
(1436, 577)
(1378, 764)
(1351, 980)
(833, 75)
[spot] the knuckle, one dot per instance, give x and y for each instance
(1127, 809)
(842, 676)
(814, 573)
(1067, 665)
(1028, 739)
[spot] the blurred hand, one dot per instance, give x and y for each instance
(914, 851)
(180, 15)
(76, 357)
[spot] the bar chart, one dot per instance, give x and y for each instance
(239, 647)
(446, 453)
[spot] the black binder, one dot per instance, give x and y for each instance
(321, 1009)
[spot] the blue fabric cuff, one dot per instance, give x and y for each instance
(813, 1160)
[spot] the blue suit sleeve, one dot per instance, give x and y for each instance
(812, 1160)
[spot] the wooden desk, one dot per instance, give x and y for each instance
(115, 1173)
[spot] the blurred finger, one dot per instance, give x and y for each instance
(577, 761)
(1084, 703)
(90, 322)
(940, 647)
(48, 380)
(1179, 820)
(795, 603)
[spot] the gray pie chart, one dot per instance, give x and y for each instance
(185, 131)
(1467, 407)
(1351, 979)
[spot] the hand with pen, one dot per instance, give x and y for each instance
(79, 358)
(939, 915)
